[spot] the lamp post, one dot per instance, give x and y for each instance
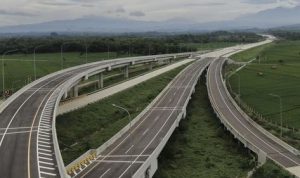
(280, 102)
(86, 52)
(61, 53)
(239, 76)
(3, 68)
(34, 59)
(130, 132)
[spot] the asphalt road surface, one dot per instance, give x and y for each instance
(221, 102)
(124, 157)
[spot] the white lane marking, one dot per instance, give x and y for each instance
(120, 156)
(42, 162)
(15, 128)
(176, 80)
(11, 133)
(47, 143)
(45, 139)
(105, 173)
(46, 154)
(49, 168)
(183, 93)
(276, 151)
(46, 146)
(47, 173)
(42, 157)
(119, 161)
(42, 135)
(12, 119)
(129, 149)
(46, 150)
(156, 118)
(145, 131)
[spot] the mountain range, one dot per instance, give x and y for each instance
(271, 18)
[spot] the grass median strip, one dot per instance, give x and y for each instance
(91, 126)
(200, 147)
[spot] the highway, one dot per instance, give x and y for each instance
(239, 124)
(125, 156)
(27, 122)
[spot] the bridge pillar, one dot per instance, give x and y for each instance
(126, 71)
(150, 65)
(262, 157)
(100, 82)
(75, 91)
(65, 95)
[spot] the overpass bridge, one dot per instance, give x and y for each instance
(28, 141)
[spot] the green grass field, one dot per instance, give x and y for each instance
(211, 46)
(280, 66)
(201, 148)
(91, 126)
(19, 67)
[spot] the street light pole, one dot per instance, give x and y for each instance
(280, 102)
(239, 87)
(61, 53)
(3, 72)
(130, 125)
(34, 60)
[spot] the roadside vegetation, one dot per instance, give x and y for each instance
(48, 57)
(200, 147)
(91, 126)
(271, 170)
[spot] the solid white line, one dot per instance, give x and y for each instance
(129, 149)
(42, 135)
(105, 173)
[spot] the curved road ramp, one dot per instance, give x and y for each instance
(28, 141)
(253, 136)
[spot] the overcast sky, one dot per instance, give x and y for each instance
(15, 12)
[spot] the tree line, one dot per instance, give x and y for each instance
(137, 44)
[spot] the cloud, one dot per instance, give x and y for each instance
(53, 3)
(120, 10)
(259, 1)
(137, 14)
(11, 13)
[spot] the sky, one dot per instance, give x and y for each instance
(16, 12)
